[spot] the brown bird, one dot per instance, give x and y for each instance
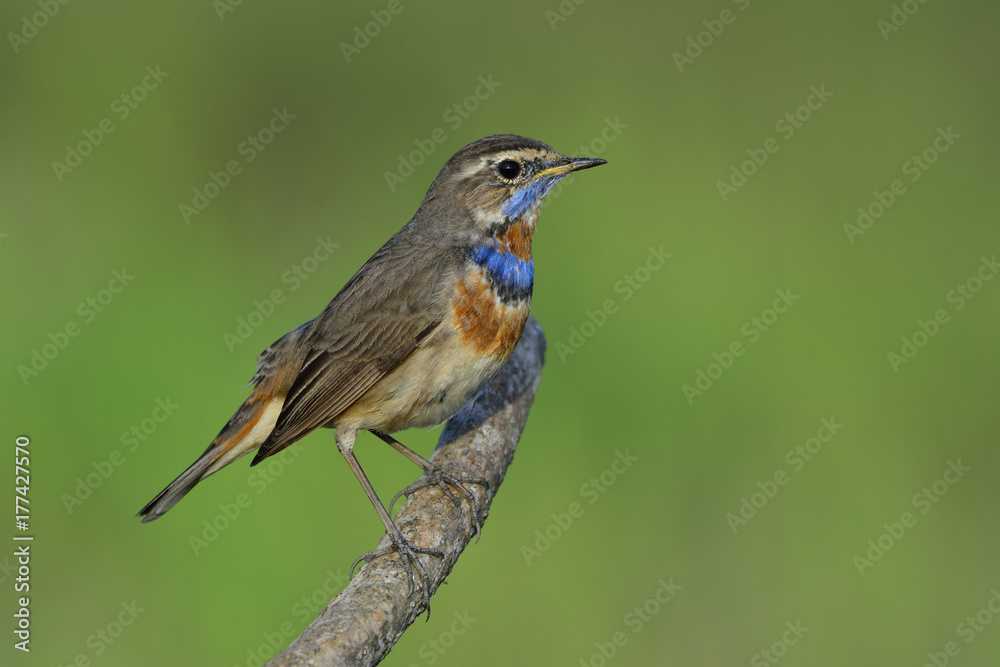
(414, 335)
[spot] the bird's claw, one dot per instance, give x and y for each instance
(436, 476)
(408, 554)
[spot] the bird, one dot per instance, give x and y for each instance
(413, 336)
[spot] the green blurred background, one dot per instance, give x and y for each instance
(604, 81)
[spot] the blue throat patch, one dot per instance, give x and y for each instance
(510, 276)
(524, 197)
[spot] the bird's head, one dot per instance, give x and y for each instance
(501, 181)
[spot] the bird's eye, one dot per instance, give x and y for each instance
(509, 169)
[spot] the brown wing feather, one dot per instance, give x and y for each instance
(368, 329)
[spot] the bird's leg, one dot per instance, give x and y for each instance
(407, 552)
(435, 475)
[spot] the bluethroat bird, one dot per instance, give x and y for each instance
(413, 336)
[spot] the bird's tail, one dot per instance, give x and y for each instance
(246, 430)
(277, 368)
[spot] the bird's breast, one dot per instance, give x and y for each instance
(488, 316)
(483, 321)
(451, 365)
(493, 294)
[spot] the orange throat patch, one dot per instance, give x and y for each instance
(482, 320)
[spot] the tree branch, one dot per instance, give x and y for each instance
(362, 624)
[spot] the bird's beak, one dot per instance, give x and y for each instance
(569, 164)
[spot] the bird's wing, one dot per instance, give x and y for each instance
(369, 328)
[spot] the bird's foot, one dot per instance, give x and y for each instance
(436, 476)
(408, 555)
